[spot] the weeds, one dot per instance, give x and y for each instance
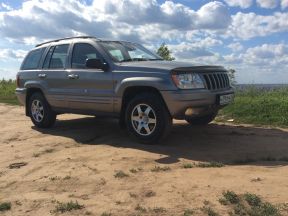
(106, 214)
(54, 178)
(67, 207)
(158, 210)
(248, 204)
(187, 166)
(5, 206)
(160, 169)
(150, 193)
(210, 165)
(140, 209)
(67, 177)
(252, 199)
(231, 197)
(188, 212)
(133, 170)
(209, 211)
(120, 174)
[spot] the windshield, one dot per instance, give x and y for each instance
(125, 51)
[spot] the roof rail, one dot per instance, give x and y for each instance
(67, 38)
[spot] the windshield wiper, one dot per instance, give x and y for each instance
(135, 59)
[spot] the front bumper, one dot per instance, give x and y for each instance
(183, 103)
(21, 95)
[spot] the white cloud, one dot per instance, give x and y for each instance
(12, 54)
(268, 3)
(240, 3)
(249, 25)
(267, 54)
(236, 47)
(284, 4)
(5, 6)
(125, 19)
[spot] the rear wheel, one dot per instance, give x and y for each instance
(147, 118)
(203, 120)
(40, 111)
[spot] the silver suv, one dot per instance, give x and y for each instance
(86, 75)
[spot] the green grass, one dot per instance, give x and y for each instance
(211, 164)
(254, 106)
(231, 197)
(7, 92)
(248, 204)
(5, 206)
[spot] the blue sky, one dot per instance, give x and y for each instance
(249, 36)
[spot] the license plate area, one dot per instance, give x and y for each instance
(225, 99)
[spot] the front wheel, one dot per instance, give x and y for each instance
(40, 111)
(203, 120)
(147, 118)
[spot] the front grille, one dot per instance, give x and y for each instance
(216, 81)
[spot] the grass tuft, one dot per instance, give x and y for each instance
(188, 212)
(160, 169)
(106, 214)
(5, 206)
(67, 207)
(252, 199)
(209, 211)
(120, 174)
(187, 166)
(212, 164)
(231, 197)
(140, 209)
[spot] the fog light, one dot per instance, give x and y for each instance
(193, 111)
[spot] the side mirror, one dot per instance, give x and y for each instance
(96, 63)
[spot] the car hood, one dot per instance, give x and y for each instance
(171, 65)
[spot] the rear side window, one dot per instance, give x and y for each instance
(32, 60)
(56, 57)
(82, 52)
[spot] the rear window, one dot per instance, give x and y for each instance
(56, 57)
(32, 60)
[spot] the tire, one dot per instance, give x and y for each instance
(147, 118)
(40, 111)
(203, 120)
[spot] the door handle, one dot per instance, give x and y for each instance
(73, 76)
(42, 75)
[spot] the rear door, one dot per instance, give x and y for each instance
(53, 75)
(90, 90)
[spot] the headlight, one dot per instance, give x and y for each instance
(188, 81)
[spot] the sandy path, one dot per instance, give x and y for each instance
(89, 151)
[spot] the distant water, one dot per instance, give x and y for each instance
(261, 86)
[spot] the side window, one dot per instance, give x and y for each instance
(32, 60)
(48, 57)
(82, 52)
(56, 57)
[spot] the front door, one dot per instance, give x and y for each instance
(90, 90)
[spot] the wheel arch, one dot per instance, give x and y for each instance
(131, 91)
(29, 93)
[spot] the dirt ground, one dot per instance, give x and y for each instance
(78, 158)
